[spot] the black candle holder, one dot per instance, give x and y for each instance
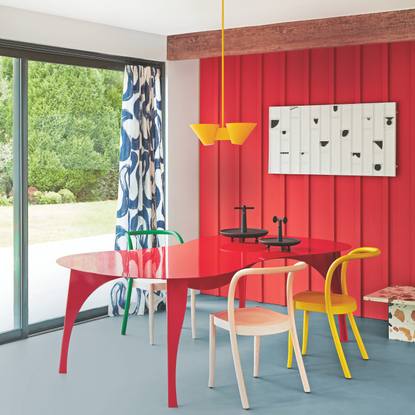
(284, 243)
(244, 232)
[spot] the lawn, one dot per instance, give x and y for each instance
(60, 222)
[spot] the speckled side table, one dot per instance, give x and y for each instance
(401, 301)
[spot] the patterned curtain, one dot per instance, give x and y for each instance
(141, 177)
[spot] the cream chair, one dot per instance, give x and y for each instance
(152, 286)
(333, 304)
(255, 321)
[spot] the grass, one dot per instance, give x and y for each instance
(60, 222)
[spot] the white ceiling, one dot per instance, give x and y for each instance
(168, 17)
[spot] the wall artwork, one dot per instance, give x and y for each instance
(348, 140)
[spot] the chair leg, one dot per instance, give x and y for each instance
(238, 370)
(338, 345)
(193, 311)
(256, 355)
(212, 335)
(290, 351)
(127, 306)
(305, 331)
(290, 345)
(299, 357)
(357, 336)
(151, 312)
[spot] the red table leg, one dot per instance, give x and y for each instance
(176, 308)
(81, 286)
(322, 263)
(242, 291)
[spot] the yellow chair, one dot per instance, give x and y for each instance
(333, 304)
(255, 321)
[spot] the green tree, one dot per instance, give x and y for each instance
(74, 118)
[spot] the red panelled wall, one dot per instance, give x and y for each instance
(362, 211)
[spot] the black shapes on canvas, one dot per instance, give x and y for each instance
(379, 144)
(323, 143)
(368, 118)
(293, 108)
(356, 154)
(274, 123)
(378, 167)
(302, 153)
(315, 120)
(284, 152)
(344, 133)
(389, 120)
(284, 132)
(335, 108)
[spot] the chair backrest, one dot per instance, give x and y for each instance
(291, 270)
(151, 232)
(359, 253)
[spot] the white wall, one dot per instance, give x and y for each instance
(182, 148)
(44, 29)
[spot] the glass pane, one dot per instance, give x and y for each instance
(74, 118)
(6, 199)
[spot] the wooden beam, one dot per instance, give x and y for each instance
(361, 29)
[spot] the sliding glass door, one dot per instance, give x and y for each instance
(7, 320)
(60, 114)
(74, 118)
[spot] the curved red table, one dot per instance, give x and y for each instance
(204, 263)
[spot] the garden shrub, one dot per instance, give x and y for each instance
(36, 197)
(67, 196)
(30, 191)
(6, 201)
(51, 198)
(107, 186)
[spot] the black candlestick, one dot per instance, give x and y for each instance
(243, 220)
(280, 221)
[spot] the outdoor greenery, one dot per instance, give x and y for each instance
(67, 221)
(74, 116)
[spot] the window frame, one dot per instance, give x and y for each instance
(24, 52)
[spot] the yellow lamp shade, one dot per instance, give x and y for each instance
(222, 134)
(205, 132)
(239, 132)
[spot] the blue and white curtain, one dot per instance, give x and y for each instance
(141, 177)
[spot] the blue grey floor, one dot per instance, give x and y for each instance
(113, 374)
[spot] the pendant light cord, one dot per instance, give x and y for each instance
(223, 66)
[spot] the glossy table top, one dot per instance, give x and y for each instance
(200, 258)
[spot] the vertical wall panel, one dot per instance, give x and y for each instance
(273, 87)
(361, 211)
(295, 193)
(320, 201)
(348, 218)
(401, 211)
(411, 222)
(251, 153)
(209, 155)
(229, 183)
(372, 188)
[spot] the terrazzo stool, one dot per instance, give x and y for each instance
(401, 310)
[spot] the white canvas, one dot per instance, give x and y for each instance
(347, 139)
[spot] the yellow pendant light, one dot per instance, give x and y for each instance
(236, 132)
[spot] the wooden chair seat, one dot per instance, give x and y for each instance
(254, 321)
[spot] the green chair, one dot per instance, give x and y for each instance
(152, 286)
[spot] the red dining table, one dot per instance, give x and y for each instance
(203, 263)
